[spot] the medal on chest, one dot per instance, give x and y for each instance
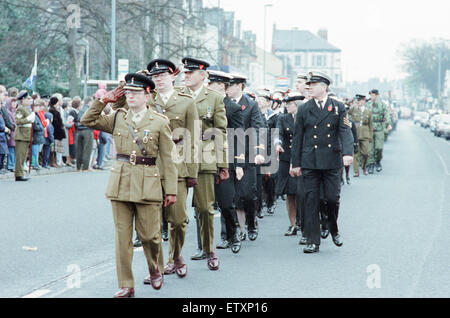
(147, 136)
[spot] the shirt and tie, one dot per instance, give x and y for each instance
(321, 103)
(166, 96)
(137, 117)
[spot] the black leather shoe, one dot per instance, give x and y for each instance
(348, 180)
(379, 167)
(371, 168)
(311, 248)
(223, 245)
(259, 214)
(235, 244)
(303, 241)
(198, 256)
(271, 210)
(165, 236)
(137, 242)
(22, 179)
(252, 235)
(292, 231)
(242, 236)
(342, 181)
(337, 240)
(324, 234)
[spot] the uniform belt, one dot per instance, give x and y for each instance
(378, 121)
(24, 126)
(136, 160)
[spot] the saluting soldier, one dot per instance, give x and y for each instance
(287, 184)
(134, 187)
(322, 141)
(380, 118)
(24, 121)
(226, 191)
(213, 160)
(182, 113)
(246, 188)
(362, 118)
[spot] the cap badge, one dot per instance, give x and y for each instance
(157, 65)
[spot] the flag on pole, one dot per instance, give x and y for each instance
(30, 83)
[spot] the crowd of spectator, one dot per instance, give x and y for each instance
(58, 138)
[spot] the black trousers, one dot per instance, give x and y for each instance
(300, 202)
(246, 195)
(312, 181)
(225, 193)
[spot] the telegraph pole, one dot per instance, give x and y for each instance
(113, 40)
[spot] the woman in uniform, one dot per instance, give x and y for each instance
(287, 185)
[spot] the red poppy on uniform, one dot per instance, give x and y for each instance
(330, 108)
(243, 107)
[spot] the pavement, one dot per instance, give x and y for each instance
(57, 238)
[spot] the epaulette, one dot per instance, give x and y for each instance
(185, 95)
(160, 115)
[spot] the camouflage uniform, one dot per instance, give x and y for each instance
(381, 120)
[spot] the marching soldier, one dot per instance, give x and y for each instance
(246, 198)
(182, 113)
(134, 187)
(24, 121)
(266, 182)
(362, 118)
(286, 184)
(322, 142)
(214, 161)
(226, 191)
(380, 118)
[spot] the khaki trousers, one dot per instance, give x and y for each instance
(177, 219)
(22, 148)
(203, 203)
(148, 227)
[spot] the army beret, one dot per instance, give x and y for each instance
(192, 64)
(159, 66)
(318, 77)
(218, 76)
(22, 95)
(291, 97)
(138, 82)
(238, 79)
(374, 91)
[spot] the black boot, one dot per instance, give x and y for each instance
(379, 167)
(371, 168)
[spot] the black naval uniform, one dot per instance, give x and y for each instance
(286, 185)
(266, 184)
(321, 138)
(246, 196)
(226, 191)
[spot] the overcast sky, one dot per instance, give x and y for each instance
(370, 33)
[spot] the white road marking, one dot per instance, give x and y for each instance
(37, 293)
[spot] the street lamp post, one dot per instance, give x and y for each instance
(86, 75)
(265, 17)
(113, 40)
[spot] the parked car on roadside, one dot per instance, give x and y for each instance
(443, 127)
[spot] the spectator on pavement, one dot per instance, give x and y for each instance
(49, 141)
(85, 140)
(11, 104)
(58, 125)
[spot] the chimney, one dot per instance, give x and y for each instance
(323, 33)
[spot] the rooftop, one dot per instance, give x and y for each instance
(300, 40)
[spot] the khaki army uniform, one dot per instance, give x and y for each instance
(364, 125)
(380, 118)
(22, 137)
(181, 111)
(214, 156)
(135, 190)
